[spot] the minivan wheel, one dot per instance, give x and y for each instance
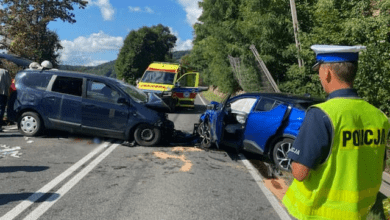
(147, 135)
(30, 124)
(279, 154)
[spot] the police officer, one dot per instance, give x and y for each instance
(338, 153)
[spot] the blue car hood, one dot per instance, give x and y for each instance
(156, 103)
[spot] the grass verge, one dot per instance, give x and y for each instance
(211, 96)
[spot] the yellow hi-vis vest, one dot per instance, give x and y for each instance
(346, 184)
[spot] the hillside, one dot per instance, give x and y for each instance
(108, 68)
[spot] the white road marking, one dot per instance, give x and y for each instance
(201, 99)
(64, 189)
(13, 152)
(271, 198)
(33, 198)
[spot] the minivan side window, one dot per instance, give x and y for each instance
(102, 92)
(37, 80)
(68, 85)
(266, 104)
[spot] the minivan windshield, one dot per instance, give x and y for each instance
(134, 93)
(158, 77)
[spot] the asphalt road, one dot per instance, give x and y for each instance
(62, 176)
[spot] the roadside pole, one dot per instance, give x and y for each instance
(296, 30)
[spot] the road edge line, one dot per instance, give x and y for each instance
(271, 198)
(45, 189)
(201, 99)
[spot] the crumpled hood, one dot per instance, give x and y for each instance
(156, 103)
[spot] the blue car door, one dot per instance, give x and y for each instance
(216, 122)
(102, 114)
(264, 120)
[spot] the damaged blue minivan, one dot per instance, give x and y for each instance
(88, 104)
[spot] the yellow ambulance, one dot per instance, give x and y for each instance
(171, 82)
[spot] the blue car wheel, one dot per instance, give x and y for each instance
(205, 134)
(279, 154)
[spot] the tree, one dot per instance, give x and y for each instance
(229, 27)
(215, 38)
(24, 26)
(140, 48)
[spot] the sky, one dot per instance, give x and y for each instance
(100, 28)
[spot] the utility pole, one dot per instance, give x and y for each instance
(296, 30)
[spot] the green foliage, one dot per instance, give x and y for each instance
(141, 47)
(106, 69)
(229, 27)
(347, 23)
(177, 55)
(247, 78)
(24, 27)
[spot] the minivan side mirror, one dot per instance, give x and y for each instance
(177, 84)
(123, 101)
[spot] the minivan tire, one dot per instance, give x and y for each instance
(30, 124)
(147, 135)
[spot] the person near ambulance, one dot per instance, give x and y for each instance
(338, 155)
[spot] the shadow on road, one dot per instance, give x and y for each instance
(23, 168)
(8, 198)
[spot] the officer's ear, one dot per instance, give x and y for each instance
(329, 75)
(327, 72)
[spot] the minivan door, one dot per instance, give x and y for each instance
(102, 113)
(64, 101)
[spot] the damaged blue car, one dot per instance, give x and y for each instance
(260, 123)
(86, 103)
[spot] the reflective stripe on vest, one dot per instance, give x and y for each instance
(346, 184)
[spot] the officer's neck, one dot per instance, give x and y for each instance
(337, 86)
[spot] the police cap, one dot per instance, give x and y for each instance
(335, 54)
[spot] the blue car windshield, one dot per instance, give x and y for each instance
(158, 77)
(136, 94)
